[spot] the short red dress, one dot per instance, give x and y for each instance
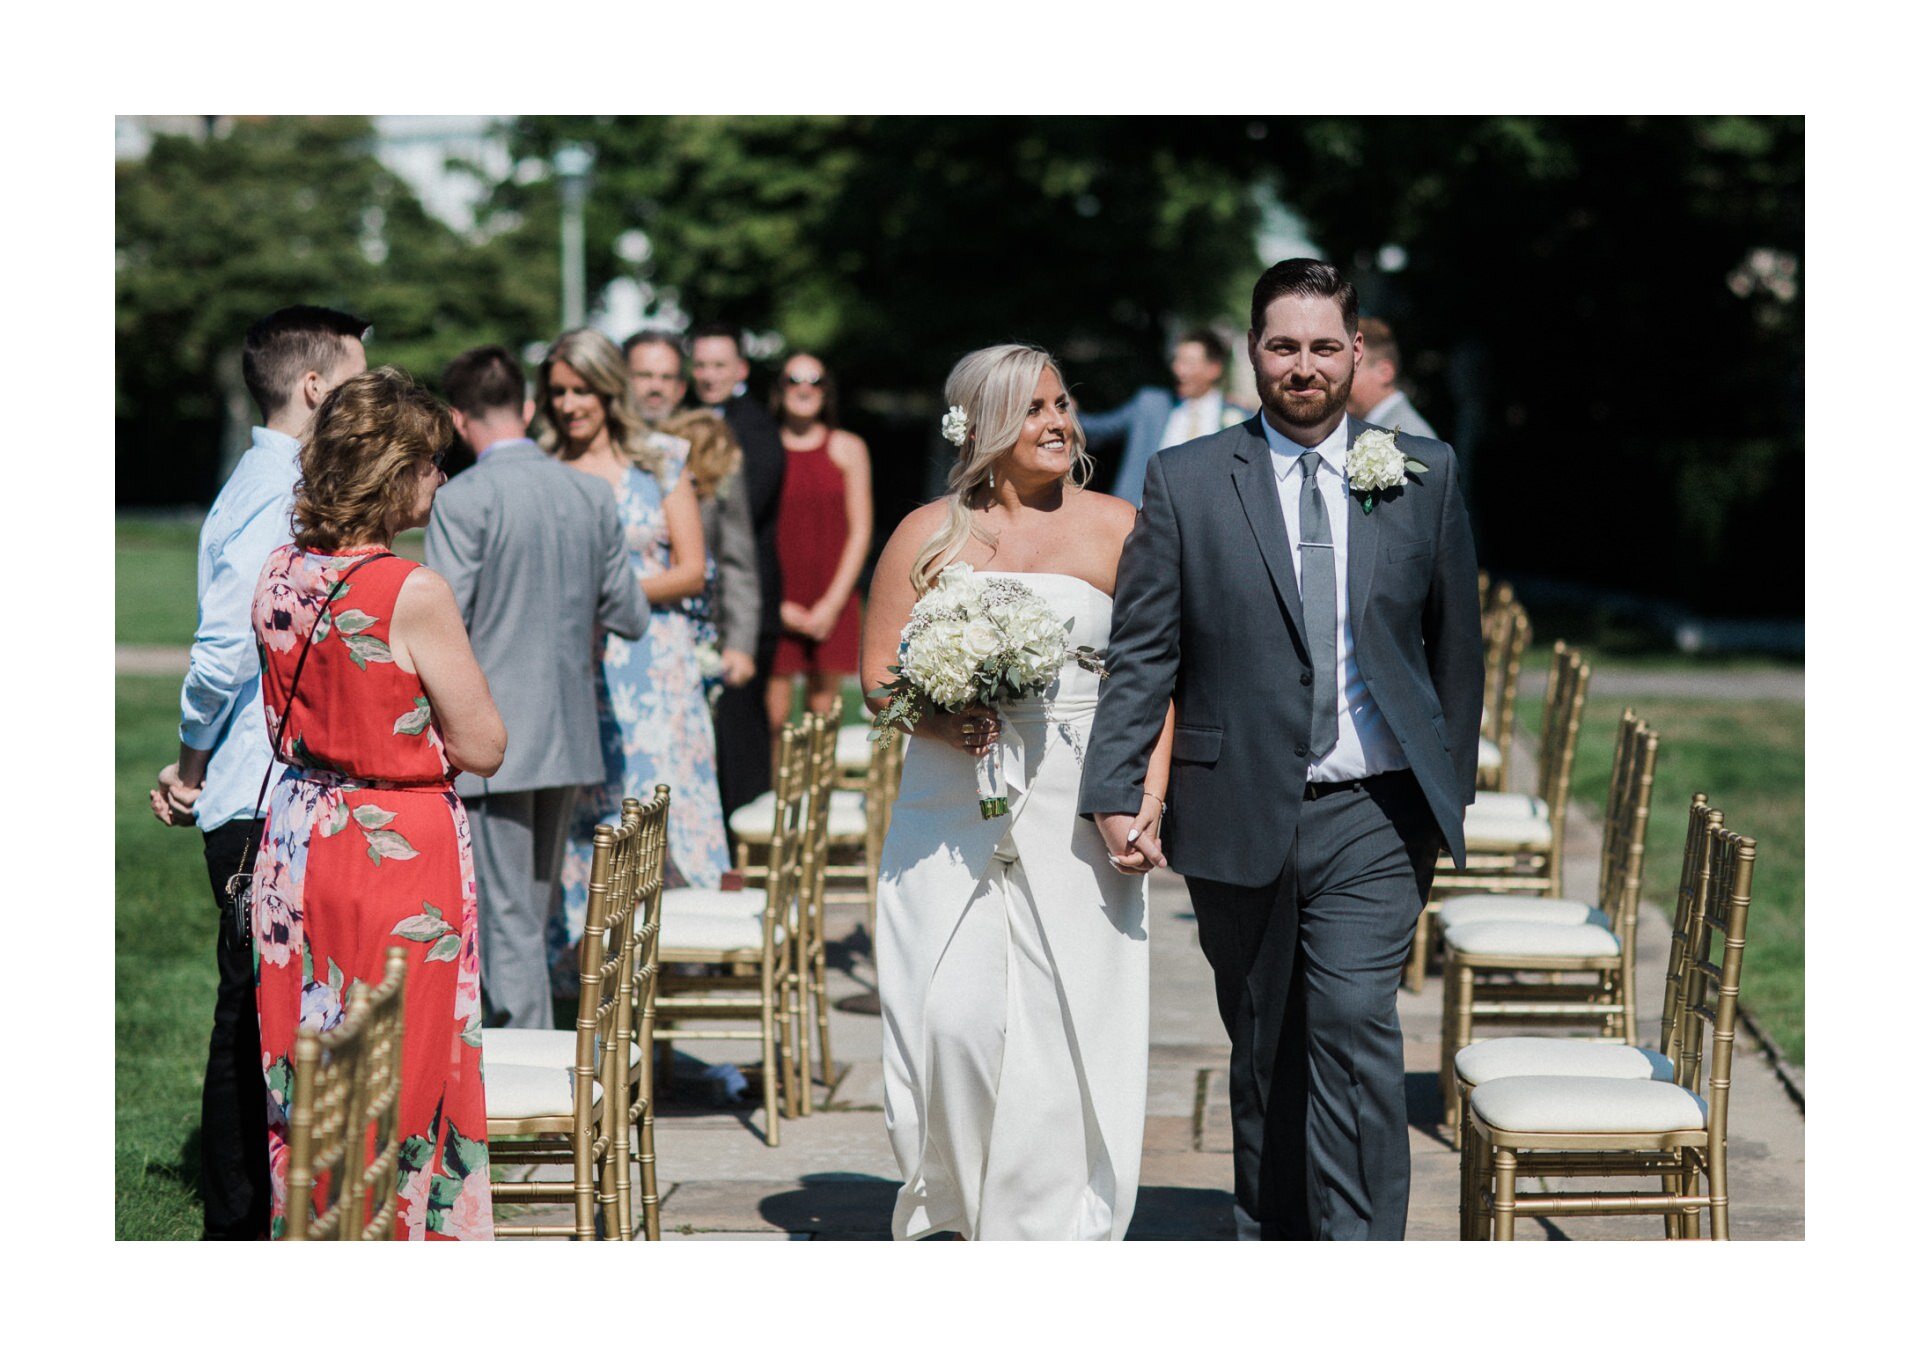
(366, 846)
(811, 533)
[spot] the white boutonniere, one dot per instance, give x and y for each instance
(1374, 464)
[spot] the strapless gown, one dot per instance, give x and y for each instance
(1013, 980)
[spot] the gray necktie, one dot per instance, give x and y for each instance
(1318, 598)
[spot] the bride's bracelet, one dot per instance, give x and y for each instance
(1160, 798)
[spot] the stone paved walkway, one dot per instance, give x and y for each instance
(833, 1176)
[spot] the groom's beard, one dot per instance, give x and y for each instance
(1291, 407)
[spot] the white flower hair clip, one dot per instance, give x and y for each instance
(953, 426)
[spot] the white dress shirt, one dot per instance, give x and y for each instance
(1365, 745)
(1194, 419)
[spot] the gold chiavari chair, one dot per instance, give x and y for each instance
(1514, 840)
(1562, 939)
(346, 1095)
(810, 969)
(546, 1109)
(883, 788)
(1517, 1056)
(853, 758)
(643, 983)
(1674, 1129)
(1513, 630)
(745, 959)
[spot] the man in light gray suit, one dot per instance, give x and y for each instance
(1320, 642)
(535, 557)
(1377, 397)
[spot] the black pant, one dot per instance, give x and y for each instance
(233, 1101)
(1306, 973)
(742, 741)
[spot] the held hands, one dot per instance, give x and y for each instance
(736, 667)
(171, 799)
(972, 731)
(1133, 841)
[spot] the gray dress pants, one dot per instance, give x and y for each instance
(519, 839)
(1306, 973)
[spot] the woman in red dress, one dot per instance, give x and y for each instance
(825, 527)
(365, 844)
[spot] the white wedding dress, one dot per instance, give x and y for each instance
(1013, 979)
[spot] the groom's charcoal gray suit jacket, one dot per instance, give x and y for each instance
(535, 556)
(1207, 611)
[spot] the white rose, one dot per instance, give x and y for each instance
(1374, 463)
(981, 640)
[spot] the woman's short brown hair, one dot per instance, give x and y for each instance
(367, 434)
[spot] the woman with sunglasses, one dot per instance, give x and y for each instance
(373, 700)
(654, 722)
(825, 527)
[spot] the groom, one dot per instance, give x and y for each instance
(1321, 646)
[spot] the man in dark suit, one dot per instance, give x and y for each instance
(742, 744)
(1309, 605)
(534, 554)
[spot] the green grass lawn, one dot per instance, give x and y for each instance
(153, 578)
(164, 923)
(153, 582)
(1749, 757)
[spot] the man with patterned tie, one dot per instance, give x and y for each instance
(1303, 588)
(1157, 418)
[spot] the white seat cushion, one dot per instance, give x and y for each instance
(517, 1091)
(846, 816)
(711, 932)
(1506, 805)
(1517, 909)
(1548, 1104)
(1506, 833)
(852, 749)
(1521, 1056)
(1489, 754)
(523, 1045)
(1567, 941)
(747, 903)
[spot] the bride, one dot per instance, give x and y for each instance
(1012, 951)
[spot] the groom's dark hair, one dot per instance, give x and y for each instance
(1305, 278)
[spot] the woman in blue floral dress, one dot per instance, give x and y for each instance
(655, 725)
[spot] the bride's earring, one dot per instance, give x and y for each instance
(989, 480)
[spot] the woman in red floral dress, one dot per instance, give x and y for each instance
(365, 844)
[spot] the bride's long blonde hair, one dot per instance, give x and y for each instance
(994, 386)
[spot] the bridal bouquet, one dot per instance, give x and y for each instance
(972, 641)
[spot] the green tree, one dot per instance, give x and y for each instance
(896, 244)
(1607, 314)
(212, 234)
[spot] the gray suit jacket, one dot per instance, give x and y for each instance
(727, 521)
(535, 555)
(1206, 612)
(1396, 411)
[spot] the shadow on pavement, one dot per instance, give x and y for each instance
(835, 1206)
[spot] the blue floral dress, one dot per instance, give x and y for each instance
(655, 725)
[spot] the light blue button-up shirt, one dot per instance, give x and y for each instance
(220, 706)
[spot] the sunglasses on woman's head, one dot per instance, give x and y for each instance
(793, 379)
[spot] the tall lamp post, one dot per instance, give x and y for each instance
(571, 164)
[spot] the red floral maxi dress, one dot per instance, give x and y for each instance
(366, 846)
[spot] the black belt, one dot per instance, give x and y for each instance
(1315, 790)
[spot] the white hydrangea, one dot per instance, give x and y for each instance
(1374, 463)
(953, 425)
